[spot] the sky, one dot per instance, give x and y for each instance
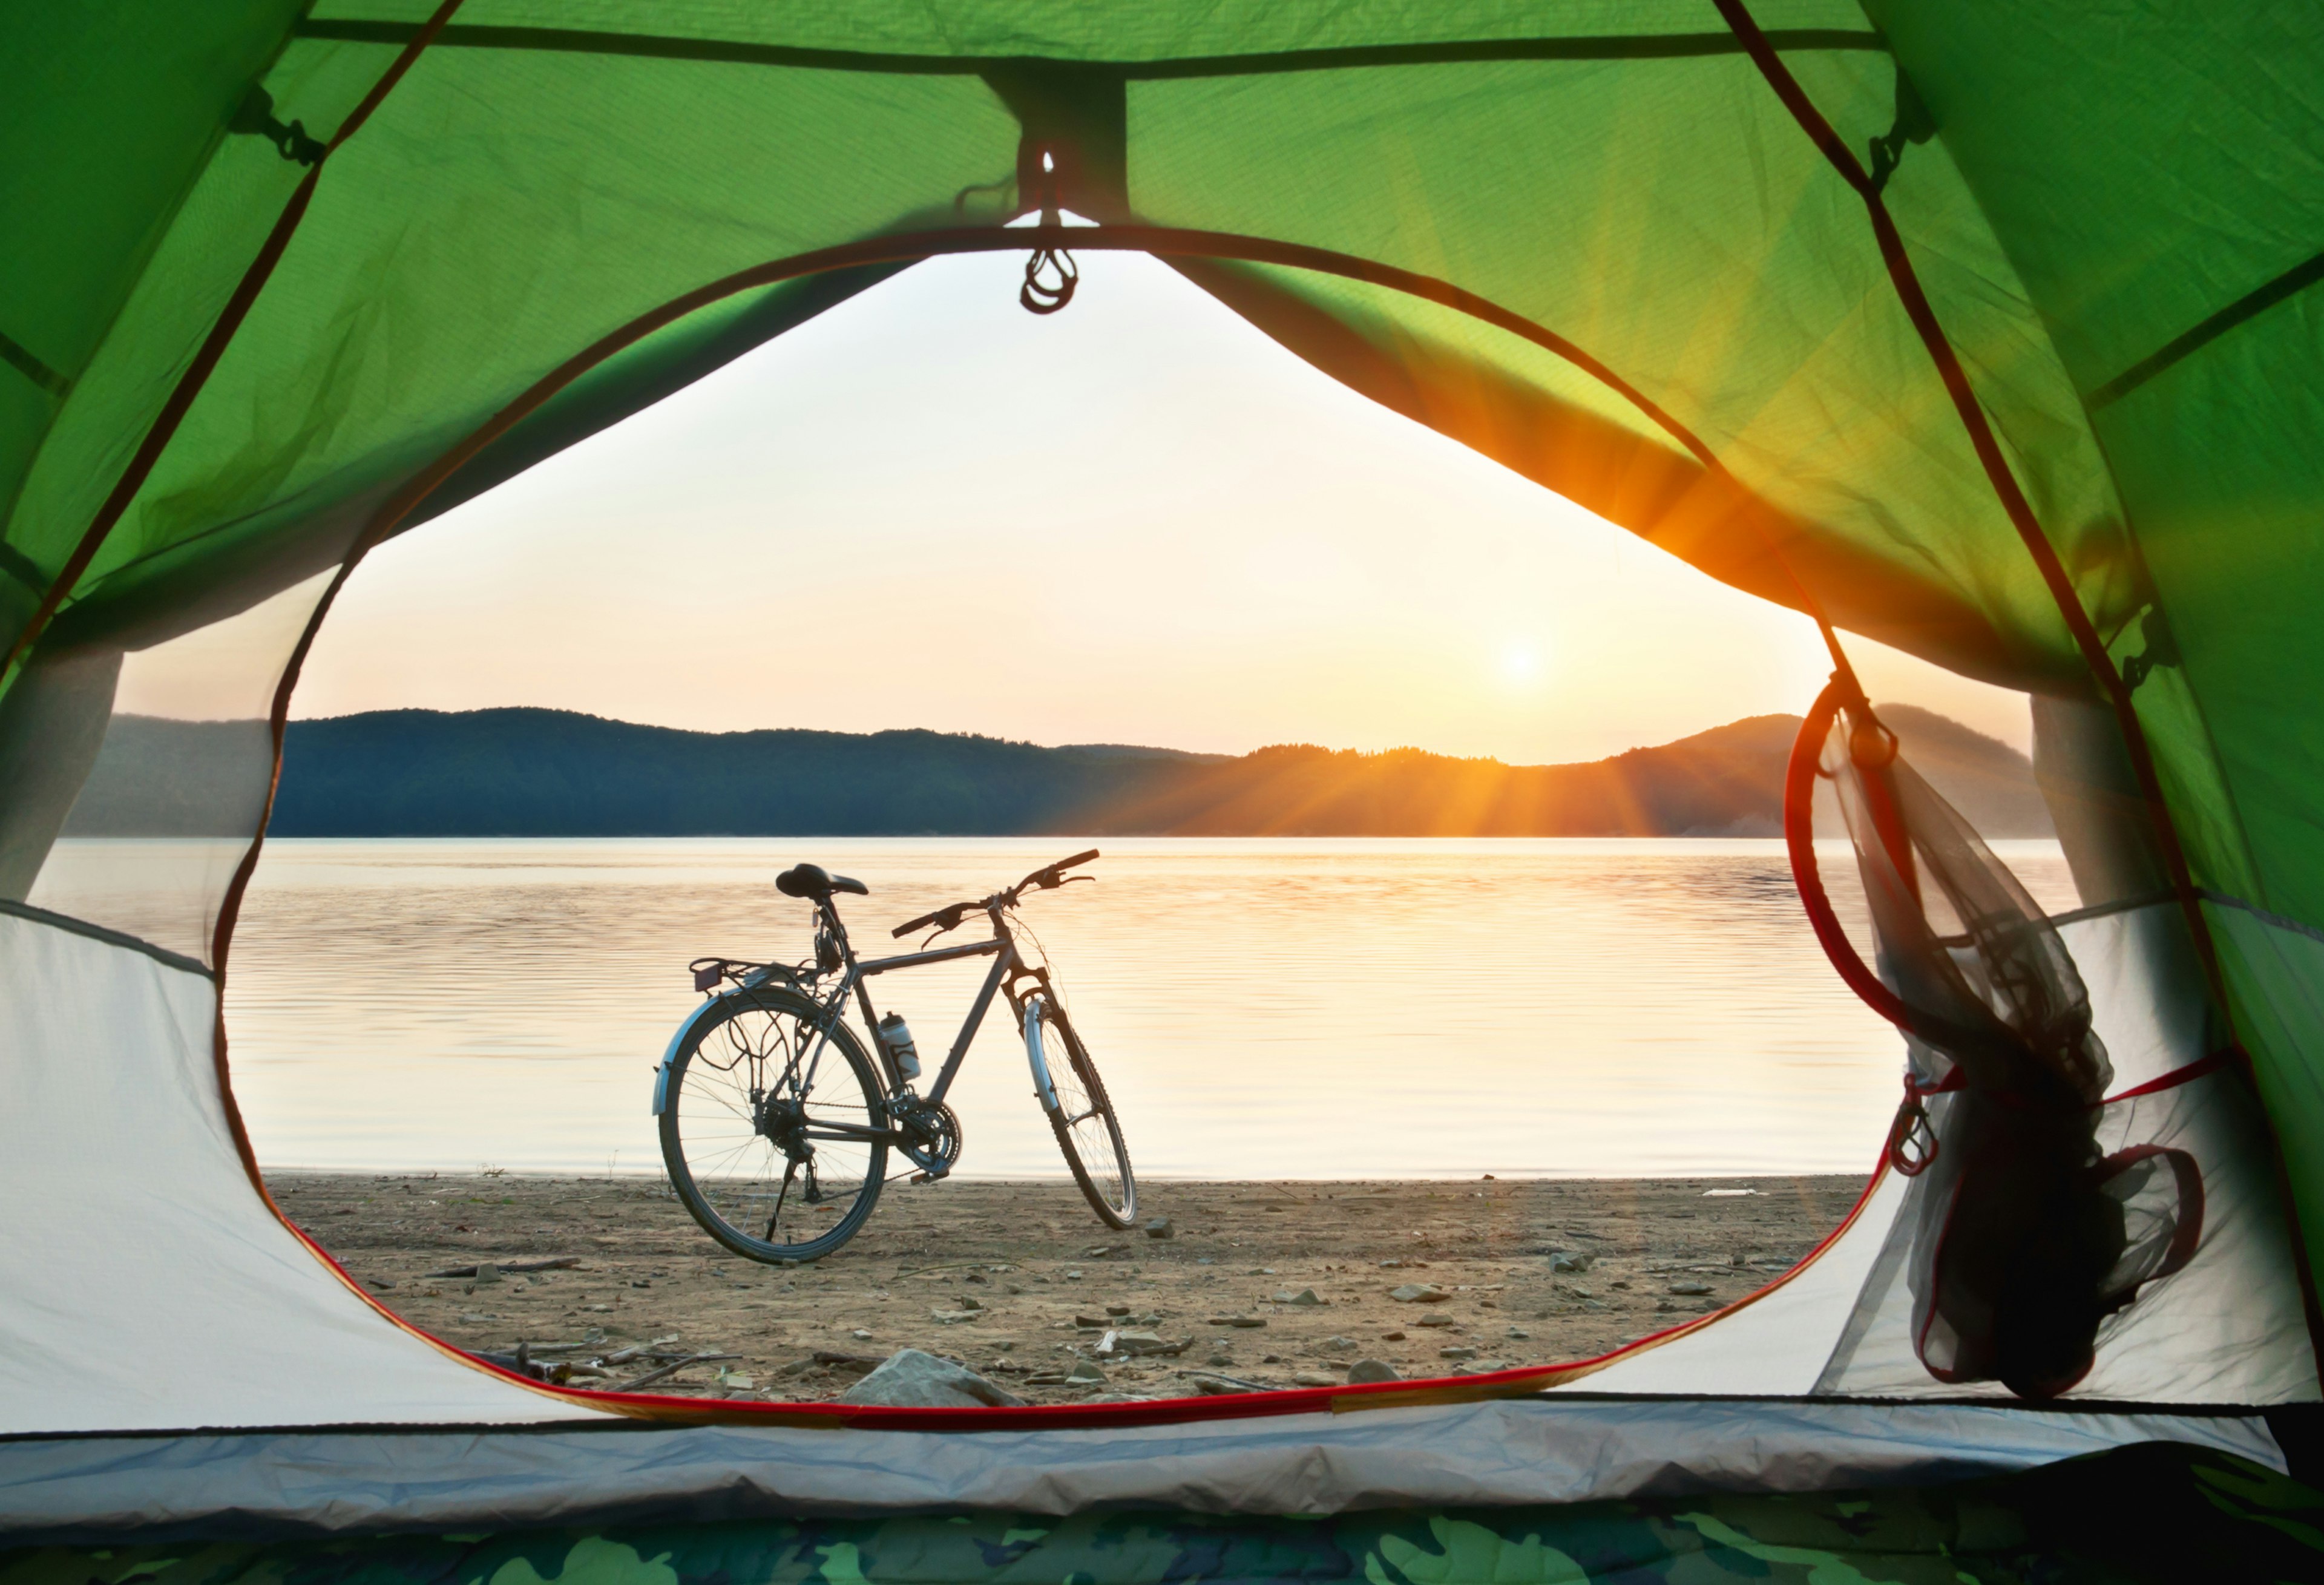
(1136, 521)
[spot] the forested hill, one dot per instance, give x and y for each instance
(524, 772)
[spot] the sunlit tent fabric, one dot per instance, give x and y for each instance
(1985, 330)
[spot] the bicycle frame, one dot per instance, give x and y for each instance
(1002, 979)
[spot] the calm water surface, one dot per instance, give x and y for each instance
(1259, 1007)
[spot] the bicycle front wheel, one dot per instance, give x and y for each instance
(1081, 1114)
(764, 1129)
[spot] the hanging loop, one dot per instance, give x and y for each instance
(1911, 1141)
(1046, 294)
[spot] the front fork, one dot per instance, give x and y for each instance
(1032, 1003)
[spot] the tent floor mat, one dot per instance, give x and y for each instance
(2156, 1511)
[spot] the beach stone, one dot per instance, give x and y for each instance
(1083, 1370)
(486, 1274)
(1690, 1289)
(1305, 1298)
(910, 1379)
(1392, 1337)
(1568, 1260)
(1418, 1293)
(1519, 1331)
(1365, 1370)
(953, 1317)
(1245, 1320)
(1138, 1342)
(1339, 1345)
(1219, 1360)
(1161, 1227)
(1117, 1309)
(1457, 1351)
(1435, 1321)
(1312, 1378)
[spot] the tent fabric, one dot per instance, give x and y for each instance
(1479, 1455)
(2201, 1515)
(1623, 174)
(284, 280)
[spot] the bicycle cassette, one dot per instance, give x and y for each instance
(931, 1137)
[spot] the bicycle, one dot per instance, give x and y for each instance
(776, 1121)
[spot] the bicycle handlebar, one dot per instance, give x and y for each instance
(949, 917)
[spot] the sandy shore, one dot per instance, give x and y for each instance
(1262, 1285)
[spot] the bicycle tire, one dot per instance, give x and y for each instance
(1111, 1190)
(726, 1170)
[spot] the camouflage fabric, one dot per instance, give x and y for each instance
(2156, 1512)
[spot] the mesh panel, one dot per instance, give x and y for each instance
(180, 782)
(2024, 1233)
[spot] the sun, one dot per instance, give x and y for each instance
(1520, 663)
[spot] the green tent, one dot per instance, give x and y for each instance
(1982, 330)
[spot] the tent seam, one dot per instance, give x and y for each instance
(213, 347)
(1139, 238)
(730, 51)
(121, 938)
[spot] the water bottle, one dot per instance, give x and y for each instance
(896, 1036)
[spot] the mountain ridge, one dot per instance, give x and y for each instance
(527, 771)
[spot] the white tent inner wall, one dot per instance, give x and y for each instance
(2228, 1329)
(148, 1285)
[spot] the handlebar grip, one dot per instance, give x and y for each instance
(947, 916)
(1076, 858)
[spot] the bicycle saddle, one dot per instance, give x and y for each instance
(813, 881)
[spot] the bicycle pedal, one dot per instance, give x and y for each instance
(930, 1177)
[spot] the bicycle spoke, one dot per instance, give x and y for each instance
(773, 1139)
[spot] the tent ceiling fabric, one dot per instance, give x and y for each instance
(2116, 217)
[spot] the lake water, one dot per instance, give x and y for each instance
(1259, 1007)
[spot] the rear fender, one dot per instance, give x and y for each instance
(695, 1020)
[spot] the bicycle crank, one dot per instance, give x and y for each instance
(931, 1138)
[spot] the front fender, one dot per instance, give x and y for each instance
(694, 1020)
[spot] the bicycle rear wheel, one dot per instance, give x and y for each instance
(1081, 1114)
(754, 1129)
